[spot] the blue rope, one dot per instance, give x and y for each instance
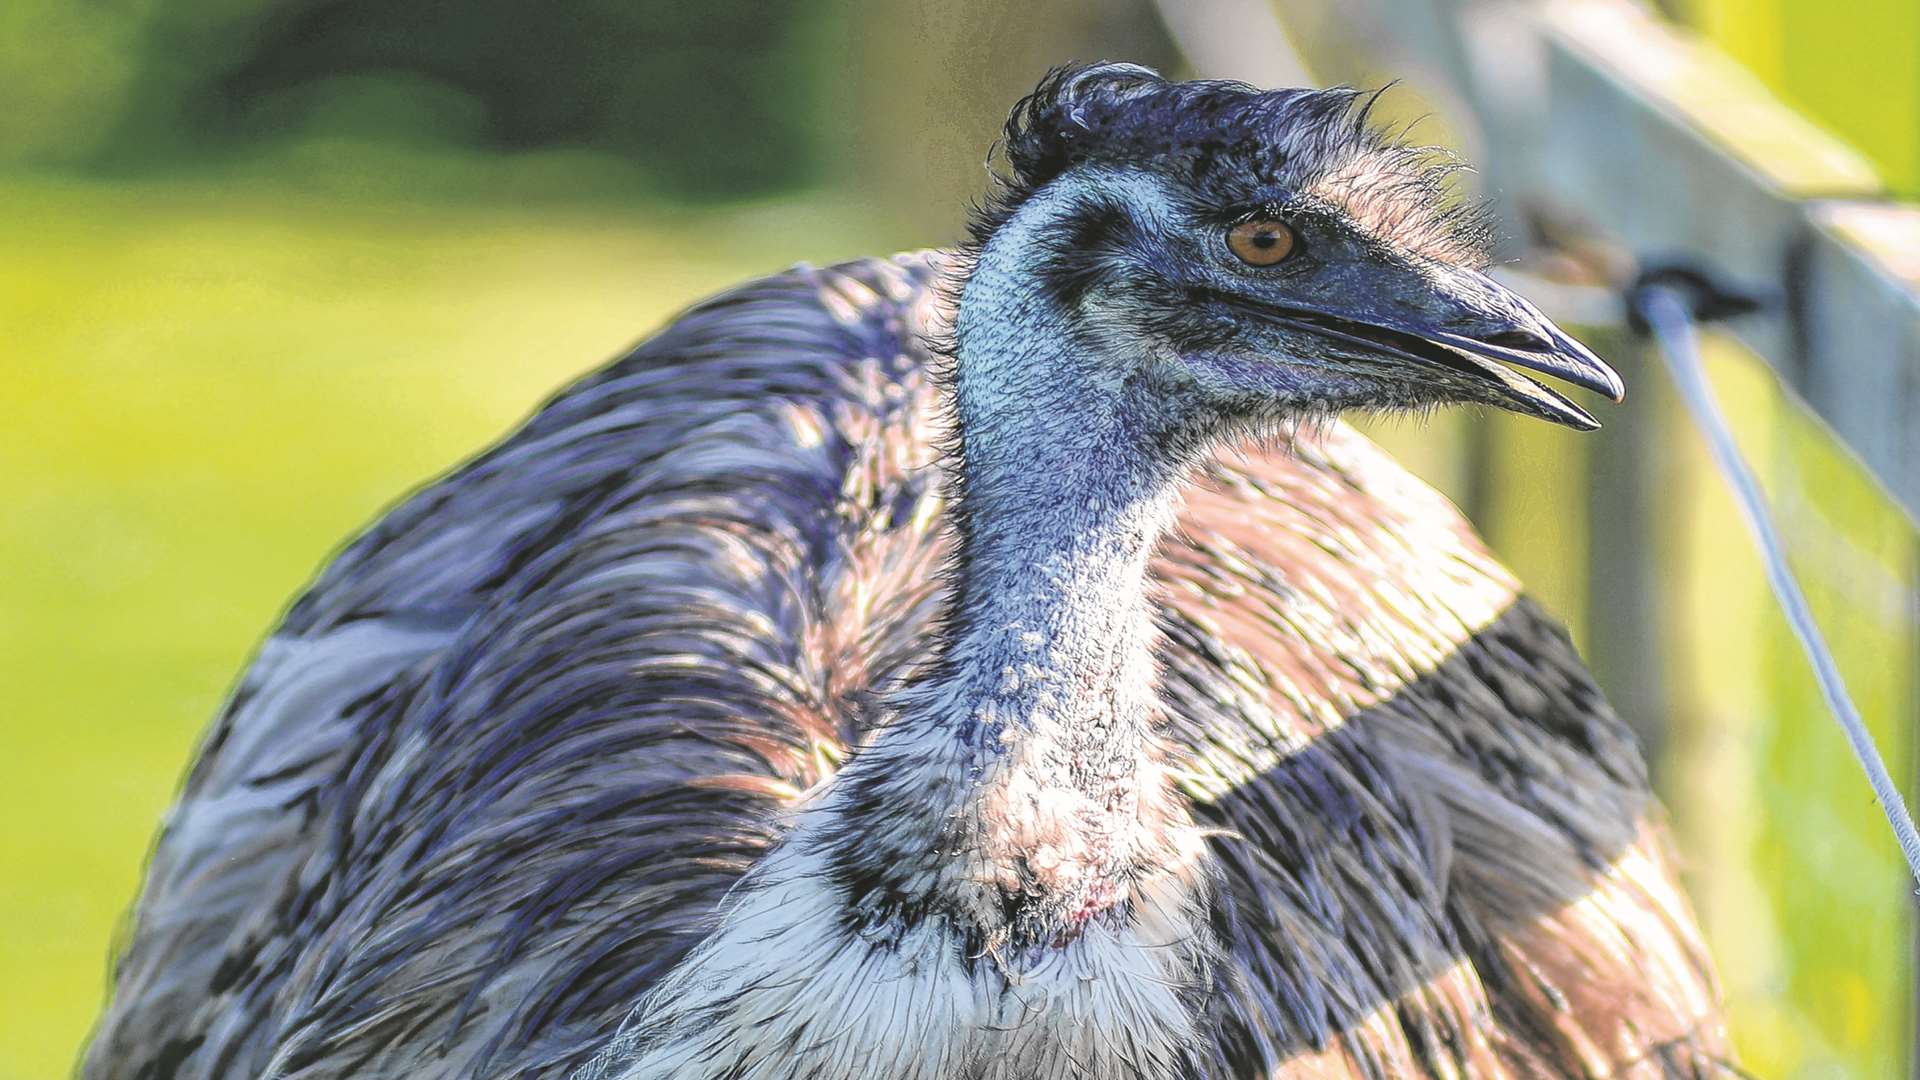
(1666, 312)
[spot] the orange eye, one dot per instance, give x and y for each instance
(1260, 241)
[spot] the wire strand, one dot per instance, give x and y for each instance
(1671, 321)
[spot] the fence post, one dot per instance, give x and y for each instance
(1624, 478)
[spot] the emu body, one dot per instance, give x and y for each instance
(787, 700)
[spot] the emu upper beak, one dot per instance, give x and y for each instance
(1467, 322)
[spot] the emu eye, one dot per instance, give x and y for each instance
(1260, 241)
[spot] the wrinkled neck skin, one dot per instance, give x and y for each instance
(1001, 884)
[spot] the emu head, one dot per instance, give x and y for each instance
(1256, 255)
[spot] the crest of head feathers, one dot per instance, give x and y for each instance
(1231, 144)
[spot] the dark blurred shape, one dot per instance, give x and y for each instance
(711, 99)
(889, 103)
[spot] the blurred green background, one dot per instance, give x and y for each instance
(266, 264)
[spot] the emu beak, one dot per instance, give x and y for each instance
(1548, 350)
(1466, 322)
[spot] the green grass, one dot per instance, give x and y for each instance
(202, 393)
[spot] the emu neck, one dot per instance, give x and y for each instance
(1024, 760)
(1067, 489)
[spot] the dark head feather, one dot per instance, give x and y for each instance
(1233, 145)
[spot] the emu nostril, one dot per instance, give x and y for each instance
(1522, 340)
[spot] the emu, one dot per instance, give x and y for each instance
(881, 672)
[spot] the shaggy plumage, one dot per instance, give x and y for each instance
(538, 742)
